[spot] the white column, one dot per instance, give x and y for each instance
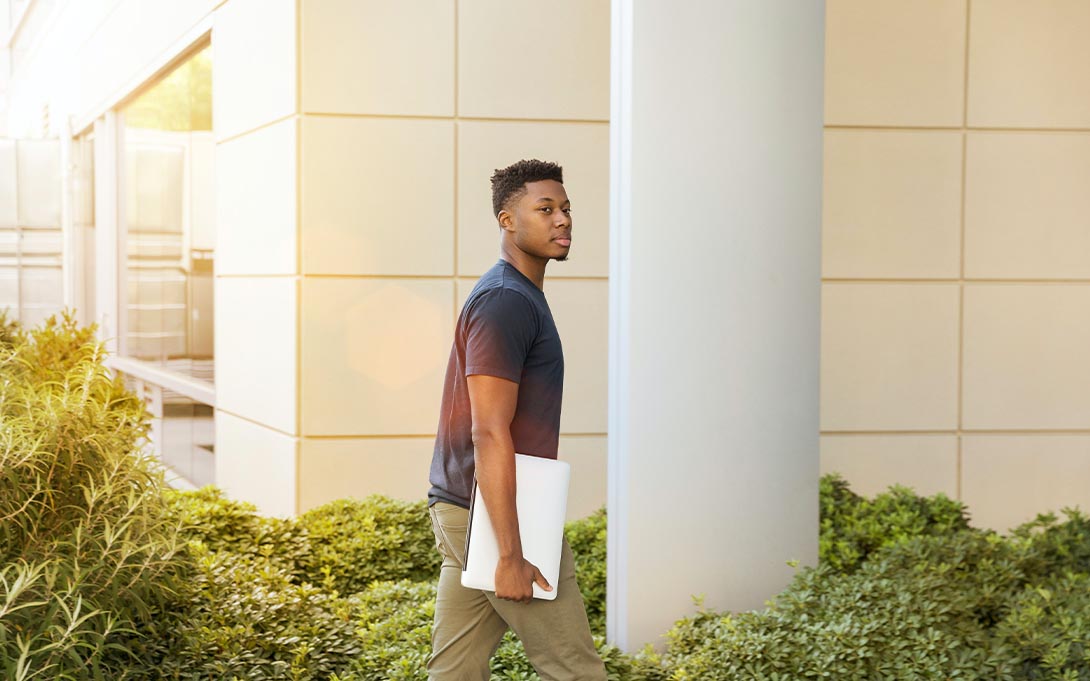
(715, 284)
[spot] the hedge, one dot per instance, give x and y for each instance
(106, 573)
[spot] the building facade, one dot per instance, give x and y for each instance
(274, 208)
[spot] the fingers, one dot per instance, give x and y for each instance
(541, 581)
(525, 596)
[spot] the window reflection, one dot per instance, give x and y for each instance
(168, 218)
(167, 228)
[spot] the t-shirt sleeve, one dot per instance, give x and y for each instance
(500, 328)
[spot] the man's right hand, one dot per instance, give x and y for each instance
(515, 577)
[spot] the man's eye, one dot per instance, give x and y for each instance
(546, 209)
(568, 211)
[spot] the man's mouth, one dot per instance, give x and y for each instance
(563, 240)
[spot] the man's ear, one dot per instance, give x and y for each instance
(506, 220)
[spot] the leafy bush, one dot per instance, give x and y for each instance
(357, 541)
(87, 552)
(233, 526)
(1047, 628)
(244, 617)
(969, 604)
(10, 330)
(346, 543)
(106, 573)
(373, 558)
(916, 610)
(922, 596)
(393, 620)
(263, 595)
(587, 538)
(853, 527)
(1058, 547)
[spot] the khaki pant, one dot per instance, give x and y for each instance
(469, 623)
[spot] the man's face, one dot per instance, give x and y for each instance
(540, 220)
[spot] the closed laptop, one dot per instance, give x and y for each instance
(541, 500)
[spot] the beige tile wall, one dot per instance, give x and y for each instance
(257, 287)
(956, 251)
(356, 214)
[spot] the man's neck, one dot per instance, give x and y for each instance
(531, 267)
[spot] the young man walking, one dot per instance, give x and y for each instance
(502, 395)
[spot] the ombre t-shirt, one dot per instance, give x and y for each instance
(505, 329)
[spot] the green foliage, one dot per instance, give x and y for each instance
(587, 538)
(108, 574)
(86, 551)
(357, 541)
(232, 526)
(967, 604)
(245, 617)
(852, 527)
(264, 597)
(219, 523)
(10, 330)
(345, 544)
(1047, 628)
(393, 620)
(919, 609)
(1059, 546)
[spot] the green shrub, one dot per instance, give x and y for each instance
(233, 526)
(853, 527)
(86, 550)
(587, 538)
(241, 617)
(358, 541)
(219, 523)
(107, 573)
(1047, 628)
(10, 330)
(918, 609)
(263, 595)
(1058, 546)
(393, 621)
(344, 544)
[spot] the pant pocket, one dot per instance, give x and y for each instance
(449, 536)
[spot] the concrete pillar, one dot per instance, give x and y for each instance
(716, 176)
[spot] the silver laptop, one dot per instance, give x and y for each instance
(541, 500)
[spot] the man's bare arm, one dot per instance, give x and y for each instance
(492, 404)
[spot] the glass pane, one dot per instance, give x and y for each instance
(188, 442)
(39, 183)
(42, 242)
(83, 182)
(42, 286)
(9, 288)
(168, 227)
(40, 267)
(35, 315)
(9, 216)
(9, 244)
(169, 157)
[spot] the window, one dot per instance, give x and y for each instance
(167, 234)
(31, 268)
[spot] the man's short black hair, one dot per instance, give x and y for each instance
(508, 184)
